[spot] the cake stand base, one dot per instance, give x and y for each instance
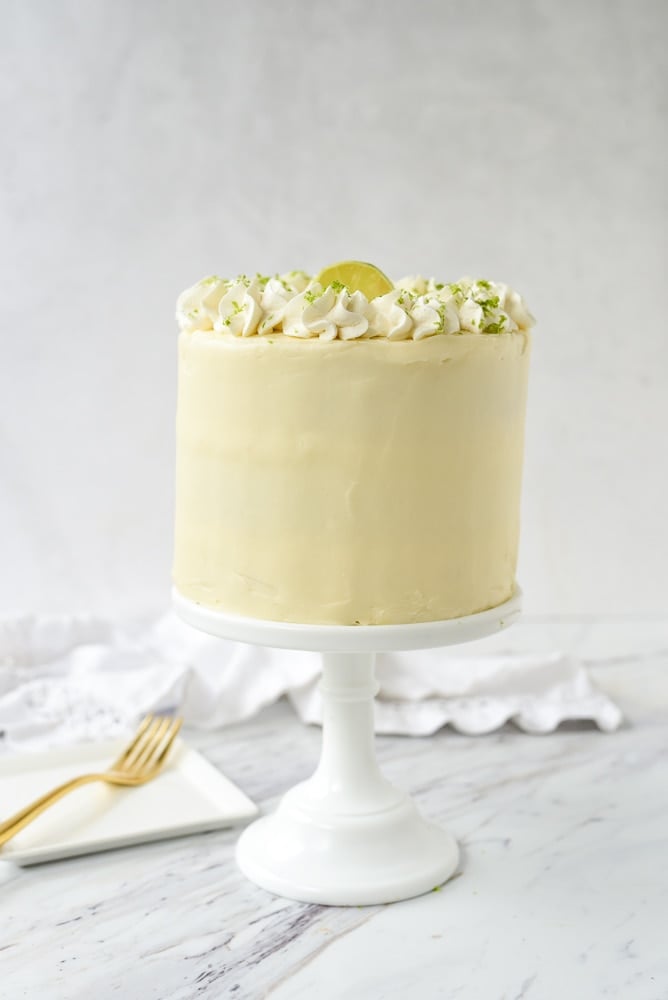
(350, 860)
(346, 836)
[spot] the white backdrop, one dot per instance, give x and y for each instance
(147, 143)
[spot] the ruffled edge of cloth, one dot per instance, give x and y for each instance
(72, 679)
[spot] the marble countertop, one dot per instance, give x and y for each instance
(562, 890)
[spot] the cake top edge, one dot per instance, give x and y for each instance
(298, 305)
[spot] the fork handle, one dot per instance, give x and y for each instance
(30, 812)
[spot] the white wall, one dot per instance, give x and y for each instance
(147, 143)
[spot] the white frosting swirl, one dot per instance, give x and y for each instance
(294, 305)
(326, 313)
(239, 310)
(432, 314)
(413, 283)
(197, 307)
(389, 316)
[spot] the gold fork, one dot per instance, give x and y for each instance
(139, 762)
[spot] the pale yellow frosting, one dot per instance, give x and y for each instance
(369, 481)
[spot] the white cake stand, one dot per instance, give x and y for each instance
(346, 836)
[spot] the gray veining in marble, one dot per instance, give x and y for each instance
(562, 891)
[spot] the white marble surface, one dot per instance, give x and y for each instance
(563, 888)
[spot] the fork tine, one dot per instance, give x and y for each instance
(161, 748)
(146, 739)
(134, 742)
(154, 738)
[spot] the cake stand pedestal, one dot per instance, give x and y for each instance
(346, 836)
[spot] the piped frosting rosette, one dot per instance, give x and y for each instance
(297, 305)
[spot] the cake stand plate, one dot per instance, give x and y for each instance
(346, 836)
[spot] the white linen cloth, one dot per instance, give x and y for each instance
(64, 680)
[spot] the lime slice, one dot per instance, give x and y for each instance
(357, 276)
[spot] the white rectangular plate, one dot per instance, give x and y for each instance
(189, 796)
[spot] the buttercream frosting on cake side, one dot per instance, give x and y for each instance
(340, 479)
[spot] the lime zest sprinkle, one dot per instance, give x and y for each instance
(312, 295)
(440, 326)
(497, 326)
